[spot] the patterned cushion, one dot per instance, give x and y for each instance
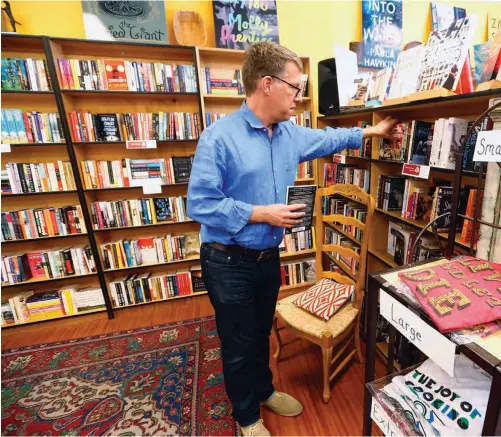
(324, 298)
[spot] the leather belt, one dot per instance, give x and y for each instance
(253, 253)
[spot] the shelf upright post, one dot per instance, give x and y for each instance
(76, 173)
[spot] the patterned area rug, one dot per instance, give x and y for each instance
(161, 380)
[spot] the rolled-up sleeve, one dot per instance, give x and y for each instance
(206, 202)
(315, 143)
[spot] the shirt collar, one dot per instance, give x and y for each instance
(251, 118)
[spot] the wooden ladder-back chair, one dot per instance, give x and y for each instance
(344, 326)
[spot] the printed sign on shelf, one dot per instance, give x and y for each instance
(381, 419)
(416, 170)
(339, 159)
(143, 144)
(152, 186)
(488, 146)
(431, 342)
(5, 148)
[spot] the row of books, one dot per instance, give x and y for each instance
(364, 151)
(133, 172)
(212, 117)
(331, 236)
(38, 177)
(346, 174)
(42, 222)
(298, 241)
(141, 288)
(436, 144)
(138, 212)
(229, 85)
(161, 126)
(29, 306)
(25, 75)
(302, 118)
(120, 75)
(31, 127)
(401, 239)
(298, 272)
(150, 251)
(75, 260)
(304, 170)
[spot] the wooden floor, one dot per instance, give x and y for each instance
(299, 375)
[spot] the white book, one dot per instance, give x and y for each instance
(451, 142)
(406, 73)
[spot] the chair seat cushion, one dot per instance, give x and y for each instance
(309, 324)
(324, 298)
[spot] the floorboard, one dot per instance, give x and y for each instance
(300, 374)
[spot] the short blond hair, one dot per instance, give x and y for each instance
(265, 58)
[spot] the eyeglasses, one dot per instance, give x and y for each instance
(298, 90)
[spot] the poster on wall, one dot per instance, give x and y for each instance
(381, 33)
(239, 24)
(139, 21)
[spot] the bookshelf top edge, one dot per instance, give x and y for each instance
(118, 43)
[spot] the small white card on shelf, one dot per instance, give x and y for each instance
(431, 342)
(416, 170)
(5, 148)
(143, 144)
(152, 186)
(339, 159)
(381, 419)
(488, 146)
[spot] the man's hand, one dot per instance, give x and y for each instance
(286, 216)
(382, 129)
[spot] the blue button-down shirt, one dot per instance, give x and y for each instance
(237, 166)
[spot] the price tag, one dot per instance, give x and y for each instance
(339, 159)
(416, 170)
(488, 146)
(381, 419)
(143, 144)
(152, 186)
(5, 148)
(431, 342)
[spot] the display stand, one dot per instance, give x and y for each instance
(489, 85)
(431, 94)
(486, 361)
(396, 101)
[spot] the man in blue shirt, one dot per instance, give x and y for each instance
(243, 164)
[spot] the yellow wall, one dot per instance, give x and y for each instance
(310, 28)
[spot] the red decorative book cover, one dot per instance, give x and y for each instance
(116, 75)
(461, 293)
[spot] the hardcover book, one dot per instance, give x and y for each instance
(406, 73)
(445, 54)
(107, 127)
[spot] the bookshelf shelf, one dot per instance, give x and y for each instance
(287, 255)
(340, 265)
(53, 237)
(138, 94)
(304, 180)
(35, 144)
(339, 229)
(30, 92)
(199, 293)
(132, 188)
(44, 193)
(181, 261)
(218, 97)
(34, 281)
(383, 256)
(65, 316)
(120, 228)
(122, 143)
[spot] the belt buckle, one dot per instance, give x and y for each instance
(263, 255)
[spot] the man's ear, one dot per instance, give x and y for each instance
(266, 83)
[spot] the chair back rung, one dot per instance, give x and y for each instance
(342, 279)
(349, 221)
(343, 251)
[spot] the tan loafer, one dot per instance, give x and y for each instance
(283, 404)
(257, 429)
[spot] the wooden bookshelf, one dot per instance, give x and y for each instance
(63, 101)
(467, 106)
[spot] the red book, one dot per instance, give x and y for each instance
(36, 265)
(493, 61)
(116, 76)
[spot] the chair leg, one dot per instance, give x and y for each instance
(279, 339)
(326, 361)
(357, 342)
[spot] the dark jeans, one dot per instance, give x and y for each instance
(243, 292)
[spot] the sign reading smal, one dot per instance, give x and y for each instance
(488, 146)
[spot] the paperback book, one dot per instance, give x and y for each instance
(304, 194)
